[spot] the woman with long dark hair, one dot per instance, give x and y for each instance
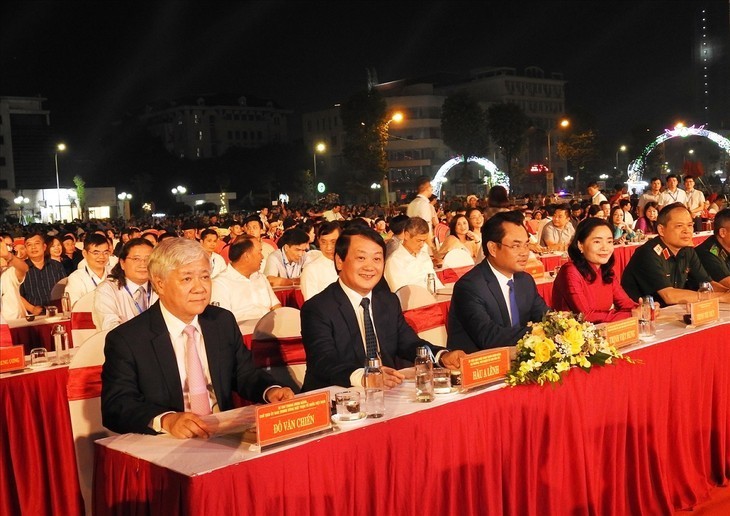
(460, 237)
(647, 223)
(587, 284)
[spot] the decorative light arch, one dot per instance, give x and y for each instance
(497, 176)
(636, 167)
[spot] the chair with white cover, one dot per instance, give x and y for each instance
(82, 324)
(277, 346)
(84, 391)
(423, 313)
(457, 258)
(58, 289)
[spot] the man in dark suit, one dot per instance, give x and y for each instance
(493, 302)
(181, 358)
(334, 322)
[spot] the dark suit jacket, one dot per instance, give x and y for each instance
(478, 316)
(333, 342)
(140, 377)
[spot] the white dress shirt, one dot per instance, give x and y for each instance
(217, 264)
(278, 265)
(316, 276)
(248, 298)
(114, 306)
(672, 197)
(502, 280)
(402, 268)
(82, 281)
(11, 305)
(421, 207)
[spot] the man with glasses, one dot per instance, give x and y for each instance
(493, 302)
(283, 267)
(43, 274)
(88, 276)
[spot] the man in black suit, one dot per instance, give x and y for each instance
(334, 322)
(149, 383)
(493, 302)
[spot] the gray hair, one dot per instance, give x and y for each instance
(172, 253)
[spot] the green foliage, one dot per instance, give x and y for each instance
(81, 194)
(464, 125)
(364, 120)
(581, 151)
(508, 126)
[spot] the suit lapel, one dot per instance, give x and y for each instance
(162, 347)
(496, 291)
(348, 315)
(212, 349)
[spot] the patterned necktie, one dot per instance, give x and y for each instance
(513, 304)
(197, 386)
(371, 342)
(142, 298)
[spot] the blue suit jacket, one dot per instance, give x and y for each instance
(333, 342)
(140, 377)
(478, 316)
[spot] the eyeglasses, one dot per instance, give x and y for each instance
(516, 246)
(139, 259)
(96, 254)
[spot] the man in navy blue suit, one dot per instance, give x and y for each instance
(334, 322)
(493, 302)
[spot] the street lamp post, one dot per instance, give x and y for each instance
(125, 197)
(319, 147)
(620, 149)
(21, 202)
(549, 176)
(59, 148)
(397, 118)
(178, 192)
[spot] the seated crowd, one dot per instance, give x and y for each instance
(185, 291)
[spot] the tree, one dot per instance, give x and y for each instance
(581, 151)
(508, 126)
(81, 195)
(364, 120)
(464, 125)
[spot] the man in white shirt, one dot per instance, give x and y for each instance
(695, 202)
(252, 226)
(283, 267)
(626, 207)
(557, 233)
(420, 206)
(241, 288)
(653, 194)
(209, 241)
(90, 275)
(595, 193)
(13, 275)
(333, 214)
(672, 194)
(320, 272)
(410, 263)
(126, 293)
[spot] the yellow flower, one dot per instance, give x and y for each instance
(574, 338)
(543, 350)
(562, 366)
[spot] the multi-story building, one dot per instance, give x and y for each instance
(206, 126)
(415, 146)
(26, 154)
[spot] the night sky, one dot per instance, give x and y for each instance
(626, 62)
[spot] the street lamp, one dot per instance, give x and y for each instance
(320, 147)
(397, 117)
(620, 149)
(549, 176)
(21, 202)
(178, 192)
(603, 176)
(125, 197)
(59, 148)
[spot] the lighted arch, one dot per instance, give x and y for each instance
(636, 167)
(497, 176)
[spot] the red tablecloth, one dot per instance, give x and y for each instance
(38, 466)
(291, 297)
(624, 439)
(38, 336)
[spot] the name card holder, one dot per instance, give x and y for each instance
(484, 367)
(293, 419)
(704, 312)
(12, 358)
(621, 333)
(536, 269)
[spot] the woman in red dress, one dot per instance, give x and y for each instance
(587, 284)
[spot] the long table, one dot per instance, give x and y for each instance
(38, 472)
(648, 438)
(37, 333)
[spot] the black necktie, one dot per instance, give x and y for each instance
(371, 343)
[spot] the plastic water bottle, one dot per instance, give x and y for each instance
(431, 283)
(374, 389)
(424, 375)
(60, 344)
(66, 305)
(705, 291)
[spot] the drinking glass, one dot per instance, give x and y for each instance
(348, 405)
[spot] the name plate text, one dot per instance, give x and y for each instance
(484, 367)
(292, 419)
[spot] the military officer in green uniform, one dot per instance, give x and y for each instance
(714, 253)
(667, 266)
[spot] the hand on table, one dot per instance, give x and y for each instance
(184, 425)
(391, 377)
(279, 394)
(452, 359)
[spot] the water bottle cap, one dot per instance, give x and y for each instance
(422, 351)
(373, 362)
